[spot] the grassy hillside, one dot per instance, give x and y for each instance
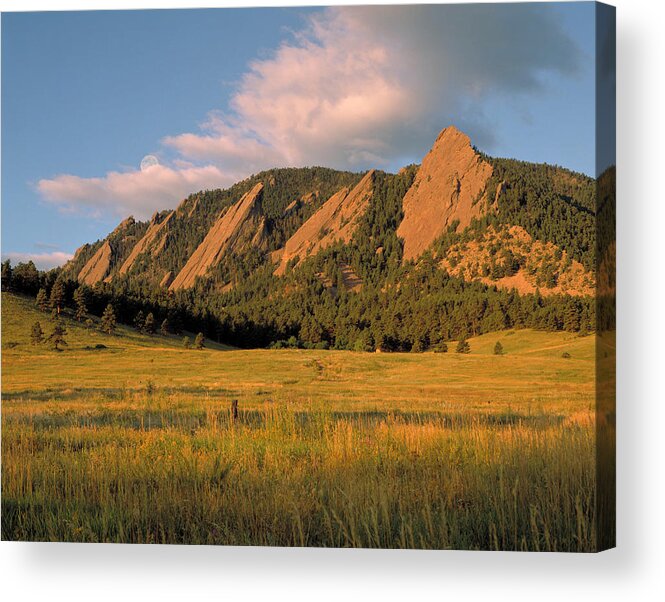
(528, 372)
(330, 448)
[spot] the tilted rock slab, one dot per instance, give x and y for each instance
(98, 266)
(240, 226)
(336, 220)
(153, 241)
(446, 188)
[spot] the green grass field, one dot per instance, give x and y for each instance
(135, 442)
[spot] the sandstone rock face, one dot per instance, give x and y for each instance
(167, 279)
(336, 220)
(236, 229)
(98, 265)
(450, 185)
(153, 241)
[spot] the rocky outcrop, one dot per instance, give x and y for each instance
(167, 279)
(238, 228)
(449, 186)
(153, 240)
(509, 257)
(336, 220)
(98, 266)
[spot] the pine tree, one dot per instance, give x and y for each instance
(6, 275)
(164, 328)
(149, 325)
(81, 300)
(417, 346)
(57, 296)
(139, 321)
(498, 348)
(187, 342)
(199, 341)
(37, 334)
(441, 348)
(463, 346)
(42, 301)
(57, 337)
(108, 323)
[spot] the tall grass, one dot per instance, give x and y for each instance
(166, 471)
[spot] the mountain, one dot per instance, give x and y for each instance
(451, 187)
(461, 243)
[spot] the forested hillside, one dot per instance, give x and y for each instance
(316, 257)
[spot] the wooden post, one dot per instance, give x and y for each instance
(234, 410)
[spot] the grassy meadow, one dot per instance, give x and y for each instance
(135, 442)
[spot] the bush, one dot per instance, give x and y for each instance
(498, 349)
(441, 348)
(199, 341)
(187, 343)
(565, 355)
(463, 347)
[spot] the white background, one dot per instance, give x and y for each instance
(633, 571)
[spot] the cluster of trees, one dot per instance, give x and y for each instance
(56, 339)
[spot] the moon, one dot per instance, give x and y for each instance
(148, 161)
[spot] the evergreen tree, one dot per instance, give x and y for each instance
(417, 346)
(42, 301)
(441, 348)
(199, 341)
(37, 334)
(149, 326)
(164, 328)
(81, 300)
(108, 322)
(498, 348)
(187, 343)
(57, 337)
(57, 296)
(139, 321)
(6, 275)
(89, 323)
(463, 346)
(25, 278)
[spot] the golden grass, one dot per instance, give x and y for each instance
(135, 443)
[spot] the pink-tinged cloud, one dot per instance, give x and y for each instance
(43, 261)
(357, 87)
(137, 192)
(368, 86)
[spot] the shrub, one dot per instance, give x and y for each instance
(463, 346)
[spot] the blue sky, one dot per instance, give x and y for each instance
(217, 95)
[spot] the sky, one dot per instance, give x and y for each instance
(216, 95)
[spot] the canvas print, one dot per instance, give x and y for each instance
(310, 276)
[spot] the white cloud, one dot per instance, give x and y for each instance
(43, 261)
(356, 87)
(137, 192)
